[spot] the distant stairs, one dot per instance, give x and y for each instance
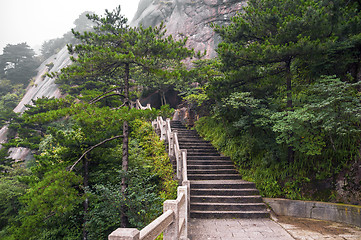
(217, 190)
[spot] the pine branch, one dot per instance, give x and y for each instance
(114, 94)
(90, 149)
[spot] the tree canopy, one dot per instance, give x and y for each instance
(287, 95)
(18, 64)
(97, 162)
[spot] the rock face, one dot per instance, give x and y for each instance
(190, 18)
(41, 86)
(183, 18)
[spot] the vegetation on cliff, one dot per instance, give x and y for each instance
(281, 99)
(285, 104)
(97, 163)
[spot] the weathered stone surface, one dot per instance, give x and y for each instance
(188, 18)
(42, 86)
(125, 234)
(344, 213)
(183, 18)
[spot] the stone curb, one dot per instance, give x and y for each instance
(343, 213)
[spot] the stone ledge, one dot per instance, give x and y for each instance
(343, 213)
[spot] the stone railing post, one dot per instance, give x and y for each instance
(183, 212)
(172, 231)
(178, 155)
(183, 160)
(164, 131)
(171, 144)
(125, 234)
(187, 184)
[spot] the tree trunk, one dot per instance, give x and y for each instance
(289, 86)
(358, 74)
(86, 202)
(124, 219)
(290, 152)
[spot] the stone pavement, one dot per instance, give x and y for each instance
(281, 228)
(312, 229)
(236, 229)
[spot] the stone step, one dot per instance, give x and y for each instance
(193, 141)
(224, 192)
(214, 177)
(211, 171)
(202, 153)
(200, 143)
(210, 162)
(194, 148)
(229, 214)
(182, 133)
(208, 158)
(196, 206)
(227, 199)
(223, 184)
(217, 190)
(191, 133)
(202, 149)
(226, 166)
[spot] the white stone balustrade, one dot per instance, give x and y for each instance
(174, 220)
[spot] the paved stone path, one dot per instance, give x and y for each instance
(311, 229)
(283, 228)
(236, 229)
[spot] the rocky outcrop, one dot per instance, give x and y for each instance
(189, 18)
(40, 86)
(183, 18)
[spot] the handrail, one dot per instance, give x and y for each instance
(157, 226)
(174, 150)
(184, 165)
(174, 220)
(178, 155)
(138, 105)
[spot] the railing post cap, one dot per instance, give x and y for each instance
(186, 183)
(125, 234)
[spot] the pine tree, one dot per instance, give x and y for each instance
(272, 43)
(106, 57)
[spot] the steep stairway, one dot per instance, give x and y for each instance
(217, 190)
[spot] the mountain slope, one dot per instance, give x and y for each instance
(188, 18)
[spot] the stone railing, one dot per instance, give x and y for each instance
(138, 105)
(174, 220)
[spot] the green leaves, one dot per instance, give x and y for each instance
(55, 194)
(286, 105)
(103, 55)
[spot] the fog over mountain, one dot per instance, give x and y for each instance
(183, 18)
(188, 18)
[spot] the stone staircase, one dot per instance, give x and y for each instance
(217, 190)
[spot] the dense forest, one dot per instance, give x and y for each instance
(282, 99)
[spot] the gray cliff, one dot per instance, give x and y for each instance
(41, 86)
(188, 18)
(182, 18)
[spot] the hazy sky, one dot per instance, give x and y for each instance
(35, 21)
